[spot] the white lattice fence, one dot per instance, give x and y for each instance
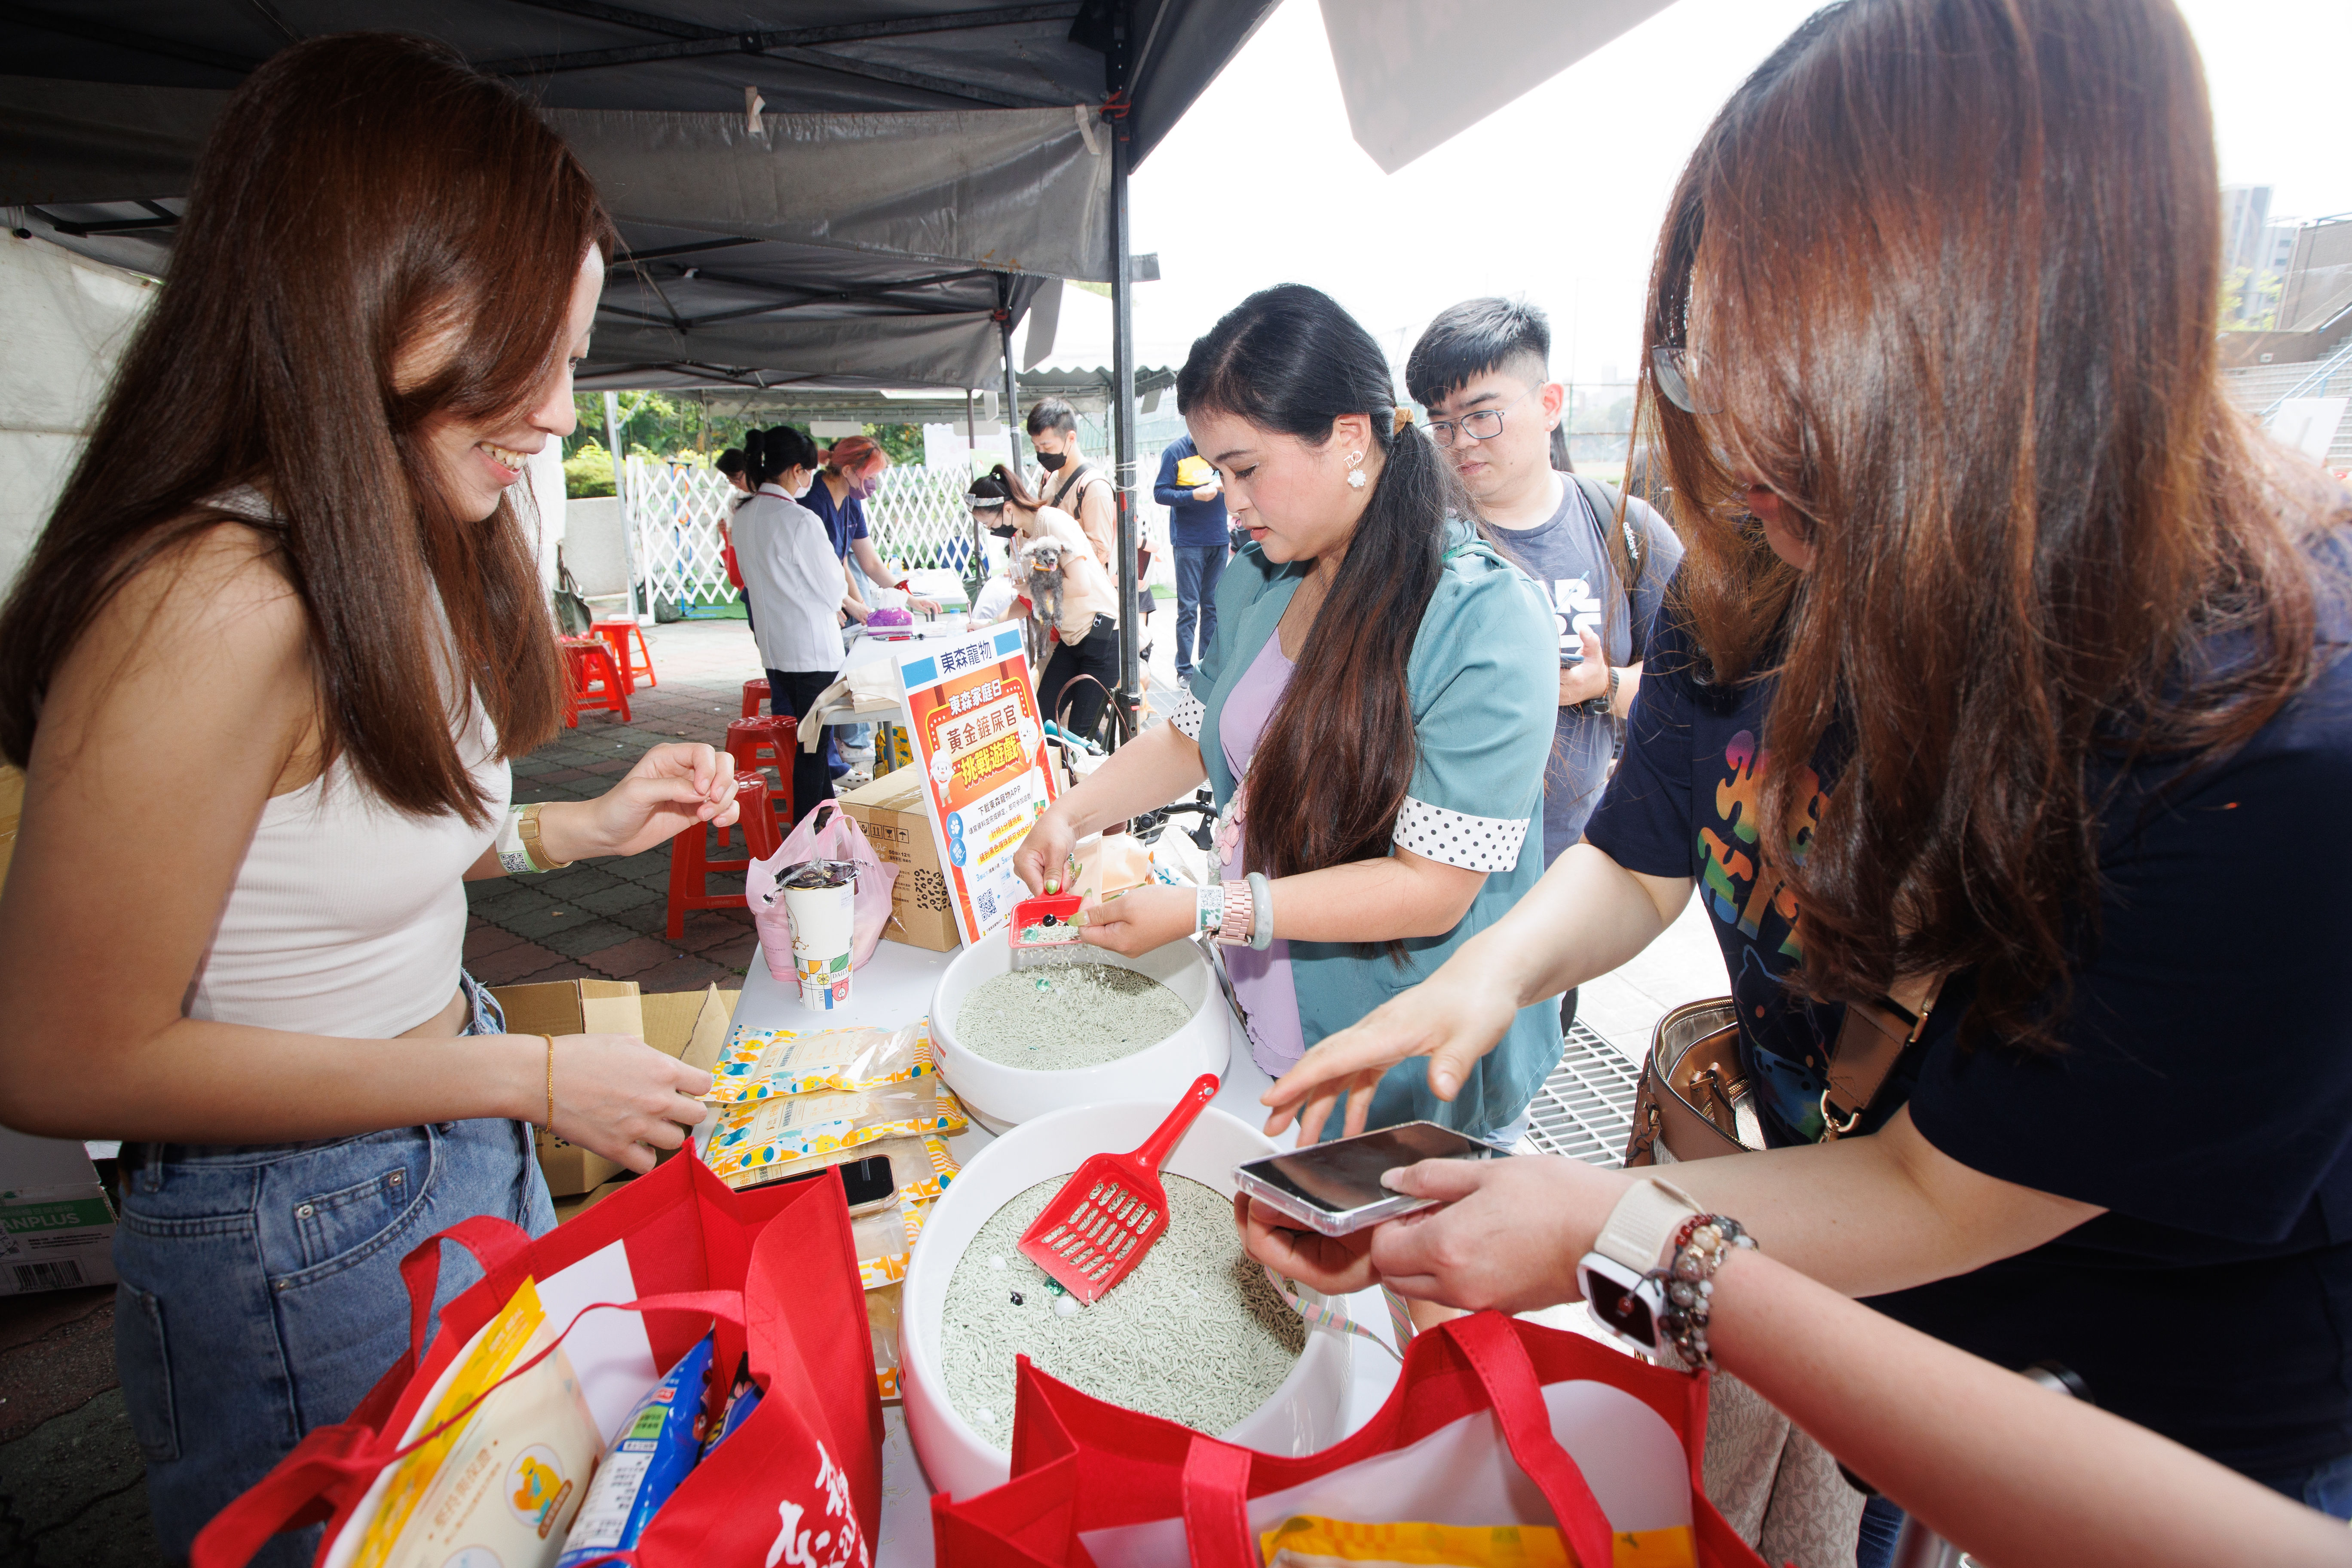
(674, 510)
(919, 517)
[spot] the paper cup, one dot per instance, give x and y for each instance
(821, 901)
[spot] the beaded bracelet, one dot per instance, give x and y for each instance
(1700, 1247)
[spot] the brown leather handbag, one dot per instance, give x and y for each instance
(1695, 1102)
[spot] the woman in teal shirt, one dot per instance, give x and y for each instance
(1373, 718)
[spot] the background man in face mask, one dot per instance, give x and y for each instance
(1068, 481)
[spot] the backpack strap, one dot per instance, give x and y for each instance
(1626, 546)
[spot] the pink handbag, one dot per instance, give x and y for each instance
(827, 833)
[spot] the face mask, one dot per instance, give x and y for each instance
(1052, 461)
(863, 489)
(807, 479)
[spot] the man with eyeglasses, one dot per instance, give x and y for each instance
(1482, 371)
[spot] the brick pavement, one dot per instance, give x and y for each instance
(603, 919)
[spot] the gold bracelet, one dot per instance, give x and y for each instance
(551, 1080)
(527, 828)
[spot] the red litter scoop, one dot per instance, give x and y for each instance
(1095, 1231)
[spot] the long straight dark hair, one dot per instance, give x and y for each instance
(1949, 271)
(360, 194)
(1331, 769)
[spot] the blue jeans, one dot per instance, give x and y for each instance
(261, 1297)
(2327, 1486)
(1198, 567)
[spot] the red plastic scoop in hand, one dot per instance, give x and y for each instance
(1106, 1215)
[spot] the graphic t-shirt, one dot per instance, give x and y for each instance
(1565, 555)
(2203, 1097)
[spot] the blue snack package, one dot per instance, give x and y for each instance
(743, 1398)
(658, 1444)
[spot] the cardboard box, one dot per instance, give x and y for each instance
(57, 1229)
(689, 1025)
(891, 811)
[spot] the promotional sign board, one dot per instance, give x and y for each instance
(971, 713)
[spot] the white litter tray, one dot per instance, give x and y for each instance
(1305, 1414)
(1003, 1097)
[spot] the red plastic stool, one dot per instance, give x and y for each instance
(593, 680)
(617, 636)
(690, 864)
(766, 742)
(755, 698)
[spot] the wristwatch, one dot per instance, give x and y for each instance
(1599, 707)
(1621, 1278)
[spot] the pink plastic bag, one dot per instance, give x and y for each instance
(827, 833)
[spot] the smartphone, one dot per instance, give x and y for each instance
(868, 1182)
(1335, 1187)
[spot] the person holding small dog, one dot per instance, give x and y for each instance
(1083, 630)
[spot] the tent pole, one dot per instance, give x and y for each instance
(1122, 358)
(1011, 387)
(636, 607)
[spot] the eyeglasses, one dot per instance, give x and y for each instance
(1671, 368)
(1482, 425)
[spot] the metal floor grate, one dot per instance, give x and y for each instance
(1585, 1108)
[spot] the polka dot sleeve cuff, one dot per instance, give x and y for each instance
(1487, 844)
(1187, 716)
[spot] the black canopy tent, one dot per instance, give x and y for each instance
(937, 163)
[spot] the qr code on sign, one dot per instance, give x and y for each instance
(985, 902)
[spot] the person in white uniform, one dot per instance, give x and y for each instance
(265, 669)
(793, 583)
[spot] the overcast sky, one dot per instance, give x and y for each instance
(1559, 195)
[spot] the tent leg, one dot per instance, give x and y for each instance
(1122, 355)
(1011, 387)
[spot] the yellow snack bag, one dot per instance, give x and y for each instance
(760, 1064)
(505, 1480)
(768, 1132)
(882, 1328)
(1193, 472)
(1305, 1541)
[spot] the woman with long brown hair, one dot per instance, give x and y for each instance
(2005, 669)
(1373, 718)
(265, 669)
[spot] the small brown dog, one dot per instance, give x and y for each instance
(1037, 567)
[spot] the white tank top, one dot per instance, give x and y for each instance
(348, 916)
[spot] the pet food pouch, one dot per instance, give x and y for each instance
(760, 1064)
(768, 1131)
(743, 1398)
(1305, 1541)
(660, 1442)
(505, 1479)
(882, 1328)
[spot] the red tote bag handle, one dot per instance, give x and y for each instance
(290, 1495)
(1216, 1474)
(493, 1243)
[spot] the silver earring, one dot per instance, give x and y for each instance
(1354, 470)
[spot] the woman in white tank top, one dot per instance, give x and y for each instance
(265, 669)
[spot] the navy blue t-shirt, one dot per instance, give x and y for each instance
(845, 520)
(2203, 1097)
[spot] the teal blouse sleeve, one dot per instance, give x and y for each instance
(1484, 678)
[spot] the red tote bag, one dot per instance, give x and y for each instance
(674, 1253)
(1096, 1486)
